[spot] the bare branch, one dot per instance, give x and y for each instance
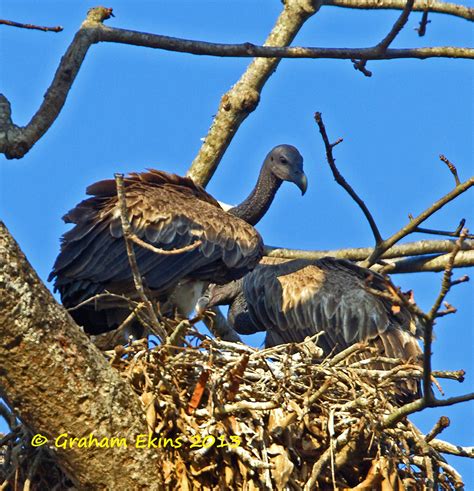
(137, 279)
(235, 106)
(219, 327)
(428, 321)
(446, 282)
(446, 233)
(244, 96)
(439, 427)
(399, 255)
(420, 5)
(30, 26)
(397, 27)
(423, 24)
(388, 39)
(388, 243)
(340, 179)
(419, 405)
(423, 264)
(452, 168)
(449, 448)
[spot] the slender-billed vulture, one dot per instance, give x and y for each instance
(293, 299)
(169, 212)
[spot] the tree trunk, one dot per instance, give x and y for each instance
(58, 382)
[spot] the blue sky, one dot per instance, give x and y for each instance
(132, 108)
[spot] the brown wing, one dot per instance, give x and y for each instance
(295, 299)
(165, 210)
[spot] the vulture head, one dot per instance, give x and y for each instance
(196, 242)
(286, 163)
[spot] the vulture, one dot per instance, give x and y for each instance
(171, 213)
(293, 299)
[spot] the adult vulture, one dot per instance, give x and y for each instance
(293, 299)
(169, 212)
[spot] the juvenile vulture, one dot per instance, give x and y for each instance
(293, 299)
(169, 212)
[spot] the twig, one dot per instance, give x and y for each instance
(340, 179)
(342, 439)
(439, 427)
(246, 406)
(448, 272)
(452, 168)
(418, 405)
(423, 24)
(137, 279)
(450, 374)
(388, 243)
(30, 26)
(428, 395)
(163, 252)
(455, 233)
(219, 326)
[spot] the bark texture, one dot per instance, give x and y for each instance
(58, 382)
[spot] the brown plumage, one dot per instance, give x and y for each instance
(293, 299)
(168, 212)
(165, 210)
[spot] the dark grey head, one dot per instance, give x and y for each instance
(286, 163)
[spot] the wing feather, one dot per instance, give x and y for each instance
(165, 210)
(297, 298)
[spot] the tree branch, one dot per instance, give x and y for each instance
(235, 106)
(340, 179)
(420, 5)
(449, 448)
(410, 227)
(50, 377)
(388, 39)
(398, 251)
(30, 26)
(424, 264)
(244, 96)
(137, 279)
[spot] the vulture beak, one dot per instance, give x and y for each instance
(302, 182)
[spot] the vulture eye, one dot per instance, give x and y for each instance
(283, 160)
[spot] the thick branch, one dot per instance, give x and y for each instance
(16, 141)
(422, 264)
(57, 381)
(449, 448)
(420, 5)
(249, 50)
(244, 96)
(418, 248)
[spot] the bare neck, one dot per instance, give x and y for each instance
(259, 200)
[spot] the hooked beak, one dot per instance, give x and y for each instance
(302, 182)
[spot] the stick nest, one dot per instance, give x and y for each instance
(228, 416)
